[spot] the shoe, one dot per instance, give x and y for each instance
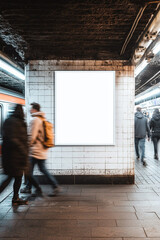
(137, 158)
(156, 156)
(25, 190)
(56, 191)
(37, 193)
(19, 201)
(144, 163)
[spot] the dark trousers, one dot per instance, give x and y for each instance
(155, 143)
(32, 181)
(16, 184)
(42, 167)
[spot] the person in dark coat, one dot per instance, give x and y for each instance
(155, 129)
(141, 129)
(15, 154)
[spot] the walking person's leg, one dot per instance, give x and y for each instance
(142, 148)
(16, 186)
(34, 182)
(51, 179)
(30, 179)
(137, 147)
(155, 142)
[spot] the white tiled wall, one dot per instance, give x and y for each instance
(105, 160)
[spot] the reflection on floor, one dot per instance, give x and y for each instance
(90, 212)
(8, 190)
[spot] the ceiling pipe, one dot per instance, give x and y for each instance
(147, 37)
(153, 78)
(134, 25)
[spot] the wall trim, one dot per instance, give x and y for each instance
(89, 179)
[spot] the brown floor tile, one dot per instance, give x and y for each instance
(118, 232)
(75, 232)
(107, 223)
(141, 239)
(97, 238)
(115, 209)
(153, 231)
(148, 215)
(142, 196)
(63, 209)
(13, 238)
(102, 202)
(132, 203)
(8, 232)
(88, 223)
(138, 223)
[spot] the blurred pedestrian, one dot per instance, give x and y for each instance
(141, 129)
(155, 130)
(38, 152)
(14, 152)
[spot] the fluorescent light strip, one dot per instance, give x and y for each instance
(8, 68)
(144, 63)
(140, 67)
(156, 49)
(149, 94)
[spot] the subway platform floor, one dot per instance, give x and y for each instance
(90, 212)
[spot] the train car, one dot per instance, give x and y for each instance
(8, 99)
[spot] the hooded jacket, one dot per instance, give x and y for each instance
(36, 136)
(155, 125)
(141, 126)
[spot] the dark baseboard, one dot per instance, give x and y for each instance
(89, 179)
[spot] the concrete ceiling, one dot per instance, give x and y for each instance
(73, 29)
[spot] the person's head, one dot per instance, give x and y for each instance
(18, 112)
(139, 109)
(35, 107)
(156, 111)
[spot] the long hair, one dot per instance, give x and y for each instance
(18, 112)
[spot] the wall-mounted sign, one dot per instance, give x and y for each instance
(84, 107)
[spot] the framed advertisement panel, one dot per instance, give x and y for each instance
(84, 108)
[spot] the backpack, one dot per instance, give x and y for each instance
(48, 141)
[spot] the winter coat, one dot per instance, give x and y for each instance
(14, 147)
(141, 126)
(155, 125)
(36, 133)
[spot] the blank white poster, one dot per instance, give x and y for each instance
(84, 107)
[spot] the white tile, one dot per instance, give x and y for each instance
(110, 160)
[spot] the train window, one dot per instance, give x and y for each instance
(10, 110)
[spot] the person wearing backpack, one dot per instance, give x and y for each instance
(39, 146)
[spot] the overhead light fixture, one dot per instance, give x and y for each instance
(147, 95)
(143, 64)
(9, 69)
(156, 49)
